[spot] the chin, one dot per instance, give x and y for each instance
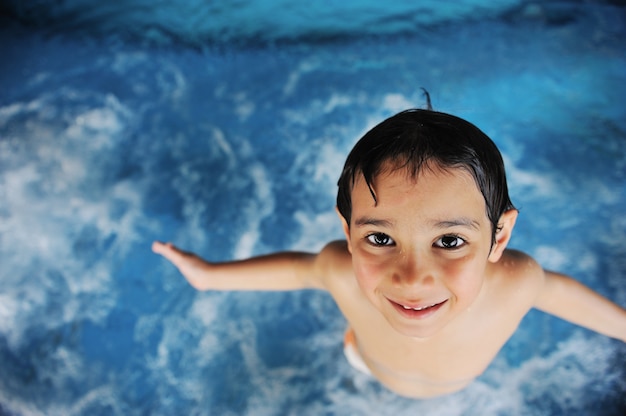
(421, 332)
(422, 328)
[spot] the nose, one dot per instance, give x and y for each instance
(413, 268)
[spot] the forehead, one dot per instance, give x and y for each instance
(435, 193)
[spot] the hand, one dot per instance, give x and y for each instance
(195, 269)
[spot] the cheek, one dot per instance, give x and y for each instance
(368, 274)
(464, 278)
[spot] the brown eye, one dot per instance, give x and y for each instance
(450, 242)
(379, 239)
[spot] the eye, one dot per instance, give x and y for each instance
(380, 239)
(450, 242)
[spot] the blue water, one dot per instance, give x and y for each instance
(223, 128)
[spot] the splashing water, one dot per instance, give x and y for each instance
(224, 129)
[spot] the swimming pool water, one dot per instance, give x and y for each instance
(228, 139)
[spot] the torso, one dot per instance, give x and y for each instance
(448, 361)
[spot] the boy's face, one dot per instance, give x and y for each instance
(420, 252)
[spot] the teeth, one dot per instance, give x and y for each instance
(418, 309)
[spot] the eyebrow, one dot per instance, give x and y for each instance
(373, 221)
(458, 222)
(454, 222)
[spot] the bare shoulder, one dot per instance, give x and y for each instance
(335, 255)
(334, 262)
(518, 262)
(338, 246)
(519, 272)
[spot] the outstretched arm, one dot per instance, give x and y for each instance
(568, 299)
(280, 271)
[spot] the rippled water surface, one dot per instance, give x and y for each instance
(224, 129)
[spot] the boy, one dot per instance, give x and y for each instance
(424, 278)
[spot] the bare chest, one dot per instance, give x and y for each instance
(426, 368)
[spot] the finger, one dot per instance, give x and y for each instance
(160, 247)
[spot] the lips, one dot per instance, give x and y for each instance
(417, 312)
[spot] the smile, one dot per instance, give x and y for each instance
(418, 311)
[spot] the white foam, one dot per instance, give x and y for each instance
(535, 184)
(395, 103)
(20, 407)
(329, 162)
(9, 318)
(247, 242)
(317, 109)
(104, 397)
(108, 119)
(40, 263)
(172, 83)
(337, 100)
(551, 257)
(256, 210)
(244, 107)
(308, 65)
(316, 230)
(204, 309)
(562, 377)
(563, 374)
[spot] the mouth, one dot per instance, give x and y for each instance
(417, 312)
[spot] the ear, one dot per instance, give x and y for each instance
(346, 228)
(503, 234)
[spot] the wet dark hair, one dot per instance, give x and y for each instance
(416, 139)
